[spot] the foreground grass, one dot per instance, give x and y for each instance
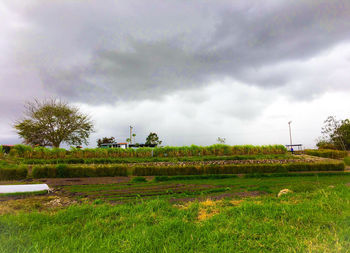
(305, 221)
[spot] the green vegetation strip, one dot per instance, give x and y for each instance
(66, 171)
(235, 169)
(327, 153)
(154, 159)
(324, 174)
(23, 151)
(13, 173)
(347, 160)
(179, 178)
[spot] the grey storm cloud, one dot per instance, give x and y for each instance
(98, 52)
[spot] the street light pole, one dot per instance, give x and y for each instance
(290, 134)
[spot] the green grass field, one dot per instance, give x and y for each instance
(223, 216)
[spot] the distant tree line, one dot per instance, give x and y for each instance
(152, 139)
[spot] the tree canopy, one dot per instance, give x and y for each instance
(105, 140)
(52, 122)
(336, 134)
(221, 140)
(153, 139)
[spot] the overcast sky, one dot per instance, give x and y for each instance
(190, 71)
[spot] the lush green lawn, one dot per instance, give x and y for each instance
(315, 218)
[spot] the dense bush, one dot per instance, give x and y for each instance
(66, 171)
(336, 166)
(138, 180)
(327, 153)
(234, 169)
(213, 150)
(15, 173)
(1, 152)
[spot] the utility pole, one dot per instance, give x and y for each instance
(290, 134)
(131, 134)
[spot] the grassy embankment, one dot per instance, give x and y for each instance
(327, 153)
(313, 218)
(347, 161)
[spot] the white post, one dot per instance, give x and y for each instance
(290, 134)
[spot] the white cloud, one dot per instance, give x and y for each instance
(190, 71)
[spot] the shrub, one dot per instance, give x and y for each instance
(13, 152)
(336, 166)
(138, 179)
(234, 169)
(2, 151)
(347, 160)
(13, 173)
(213, 150)
(23, 150)
(150, 159)
(64, 170)
(327, 153)
(44, 171)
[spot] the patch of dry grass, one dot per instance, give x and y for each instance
(35, 203)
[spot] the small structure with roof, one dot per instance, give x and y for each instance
(294, 147)
(115, 145)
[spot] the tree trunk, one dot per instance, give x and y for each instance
(56, 145)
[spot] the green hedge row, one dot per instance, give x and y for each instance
(13, 173)
(67, 171)
(150, 159)
(24, 151)
(234, 169)
(327, 153)
(1, 151)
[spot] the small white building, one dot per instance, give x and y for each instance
(115, 145)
